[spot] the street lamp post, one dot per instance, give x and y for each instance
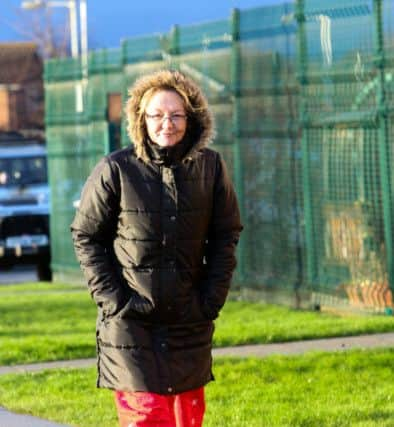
(75, 46)
(84, 43)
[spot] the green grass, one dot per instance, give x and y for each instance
(39, 324)
(37, 287)
(42, 322)
(348, 389)
(257, 323)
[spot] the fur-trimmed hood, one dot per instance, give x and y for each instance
(200, 125)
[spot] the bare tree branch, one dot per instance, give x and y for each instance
(40, 26)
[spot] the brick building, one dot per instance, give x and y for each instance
(21, 88)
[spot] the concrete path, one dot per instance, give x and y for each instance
(260, 350)
(299, 347)
(8, 419)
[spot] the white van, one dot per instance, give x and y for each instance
(24, 204)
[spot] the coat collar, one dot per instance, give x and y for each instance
(169, 156)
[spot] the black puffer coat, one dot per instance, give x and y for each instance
(156, 242)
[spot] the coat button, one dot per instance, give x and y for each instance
(172, 217)
(169, 389)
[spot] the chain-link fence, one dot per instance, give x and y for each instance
(303, 95)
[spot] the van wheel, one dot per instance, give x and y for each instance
(44, 272)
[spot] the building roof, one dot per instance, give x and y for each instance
(19, 63)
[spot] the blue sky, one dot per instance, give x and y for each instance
(109, 21)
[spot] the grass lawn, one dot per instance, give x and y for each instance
(348, 389)
(41, 322)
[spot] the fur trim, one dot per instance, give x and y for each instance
(200, 126)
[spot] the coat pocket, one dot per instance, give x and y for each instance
(136, 305)
(192, 310)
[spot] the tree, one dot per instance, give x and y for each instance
(46, 29)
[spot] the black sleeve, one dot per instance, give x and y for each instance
(223, 237)
(93, 231)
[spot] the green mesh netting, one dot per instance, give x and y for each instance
(303, 97)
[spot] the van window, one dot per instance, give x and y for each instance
(23, 171)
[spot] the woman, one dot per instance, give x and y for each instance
(155, 234)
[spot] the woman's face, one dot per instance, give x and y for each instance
(165, 118)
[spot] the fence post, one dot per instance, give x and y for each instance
(174, 43)
(383, 138)
(236, 119)
(302, 58)
(125, 140)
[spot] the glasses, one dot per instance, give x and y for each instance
(160, 118)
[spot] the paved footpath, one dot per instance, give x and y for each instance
(8, 419)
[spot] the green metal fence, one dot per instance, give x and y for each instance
(303, 95)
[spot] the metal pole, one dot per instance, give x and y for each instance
(84, 36)
(73, 28)
(384, 141)
(84, 49)
(302, 56)
(237, 150)
(72, 7)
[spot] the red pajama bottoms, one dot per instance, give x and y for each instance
(143, 409)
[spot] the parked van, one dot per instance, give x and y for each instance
(24, 204)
